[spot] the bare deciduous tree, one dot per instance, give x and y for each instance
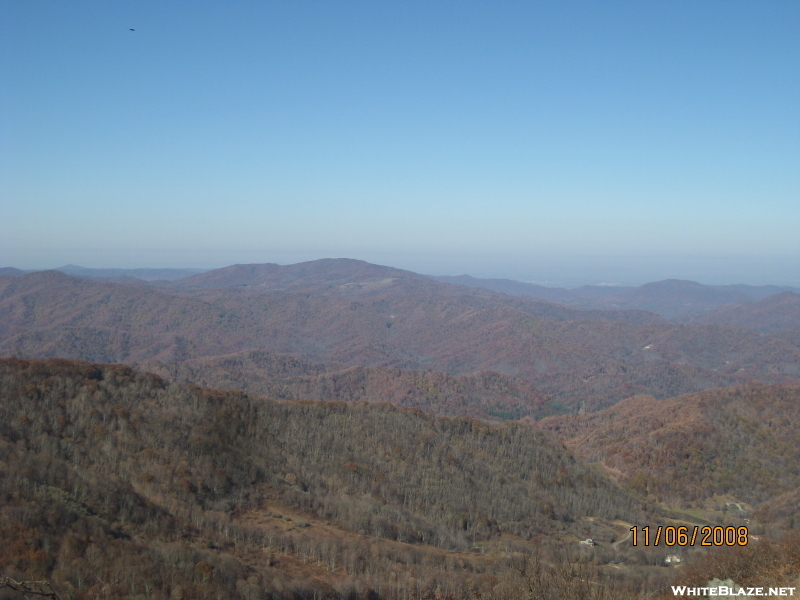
(29, 588)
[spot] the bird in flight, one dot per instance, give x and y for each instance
(133, 30)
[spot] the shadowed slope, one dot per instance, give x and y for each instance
(111, 475)
(486, 394)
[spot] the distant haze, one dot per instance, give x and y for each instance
(557, 142)
(569, 272)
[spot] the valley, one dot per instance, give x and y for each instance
(347, 430)
(356, 314)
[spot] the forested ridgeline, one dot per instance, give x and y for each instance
(777, 313)
(485, 395)
(673, 299)
(364, 315)
(764, 308)
(115, 482)
(741, 441)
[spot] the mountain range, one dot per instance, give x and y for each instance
(673, 299)
(362, 315)
(347, 430)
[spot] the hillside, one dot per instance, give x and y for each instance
(509, 286)
(673, 299)
(739, 441)
(115, 482)
(773, 314)
(329, 275)
(485, 395)
(358, 315)
(792, 336)
(781, 513)
(49, 313)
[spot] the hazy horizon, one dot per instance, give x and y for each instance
(568, 143)
(569, 274)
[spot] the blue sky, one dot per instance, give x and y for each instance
(568, 142)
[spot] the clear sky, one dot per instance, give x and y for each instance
(558, 141)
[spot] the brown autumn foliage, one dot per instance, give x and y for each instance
(364, 315)
(769, 562)
(115, 483)
(740, 441)
(485, 395)
(673, 299)
(781, 513)
(780, 312)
